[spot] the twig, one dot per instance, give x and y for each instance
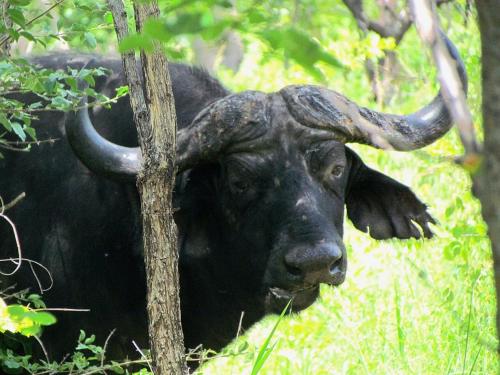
(401, 23)
(106, 346)
(5, 207)
(36, 18)
(240, 324)
(98, 370)
(61, 309)
(38, 142)
(37, 279)
(47, 109)
(31, 262)
(18, 246)
(43, 348)
(12, 148)
(143, 356)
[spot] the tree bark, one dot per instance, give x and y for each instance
(487, 182)
(154, 114)
(5, 48)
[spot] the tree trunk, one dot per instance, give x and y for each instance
(5, 48)
(154, 115)
(487, 182)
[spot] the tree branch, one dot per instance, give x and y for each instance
(427, 23)
(5, 207)
(34, 19)
(396, 29)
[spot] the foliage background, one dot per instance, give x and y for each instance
(407, 307)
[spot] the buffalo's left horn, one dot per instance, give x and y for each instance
(323, 109)
(231, 121)
(97, 153)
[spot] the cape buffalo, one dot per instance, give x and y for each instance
(260, 193)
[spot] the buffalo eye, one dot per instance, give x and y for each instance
(333, 180)
(337, 171)
(239, 186)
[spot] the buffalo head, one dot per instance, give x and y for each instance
(279, 171)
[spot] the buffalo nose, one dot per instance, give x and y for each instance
(316, 264)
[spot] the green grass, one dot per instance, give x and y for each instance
(407, 307)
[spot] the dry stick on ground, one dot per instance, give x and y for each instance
(154, 115)
(427, 23)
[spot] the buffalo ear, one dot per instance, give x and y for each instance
(382, 206)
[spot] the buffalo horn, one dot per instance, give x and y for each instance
(323, 109)
(97, 153)
(213, 130)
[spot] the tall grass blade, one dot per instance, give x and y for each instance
(266, 350)
(468, 327)
(401, 334)
(475, 360)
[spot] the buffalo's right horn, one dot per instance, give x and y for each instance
(323, 109)
(225, 122)
(97, 153)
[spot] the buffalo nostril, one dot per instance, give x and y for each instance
(315, 263)
(295, 271)
(336, 265)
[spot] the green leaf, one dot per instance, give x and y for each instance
(18, 129)
(43, 318)
(108, 17)
(118, 370)
(14, 34)
(20, 2)
(121, 91)
(89, 340)
(300, 47)
(81, 337)
(50, 83)
(35, 299)
(11, 364)
(136, 42)
(156, 29)
(30, 330)
(90, 40)
(16, 311)
(186, 23)
(28, 36)
(32, 133)
(61, 103)
(16, 16)
(5, 122)
(242, 347)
